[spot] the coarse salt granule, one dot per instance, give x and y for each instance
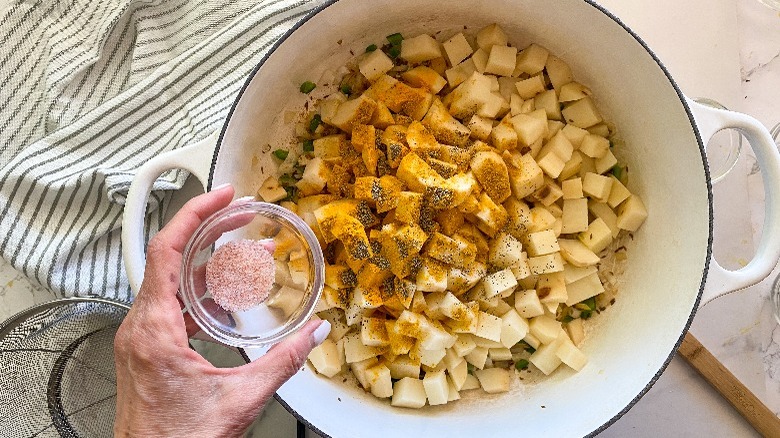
(240, 274)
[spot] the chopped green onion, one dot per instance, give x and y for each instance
(308, 146)
(346, 89)
(470, 368)
(281, 154)
(531, 349)
(307, 87)
(395, 39)
(617, 171)
(567, 318)
(287, 180)
(371, 48)
(591, 303)
(521, 364)
(292, 194)
(314, 123)
(394, 52)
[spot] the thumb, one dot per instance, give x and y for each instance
(282, 361)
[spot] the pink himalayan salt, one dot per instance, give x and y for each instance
(240, 274)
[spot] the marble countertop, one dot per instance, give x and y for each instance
(727, 50)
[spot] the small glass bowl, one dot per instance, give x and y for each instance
(298, 278)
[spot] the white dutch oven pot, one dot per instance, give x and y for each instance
(670, 269)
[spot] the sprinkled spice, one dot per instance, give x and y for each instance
(240, 274)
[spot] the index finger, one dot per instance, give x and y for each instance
(164, 254)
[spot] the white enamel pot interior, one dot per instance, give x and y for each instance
(629, 345)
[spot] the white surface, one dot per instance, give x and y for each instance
(727, 51)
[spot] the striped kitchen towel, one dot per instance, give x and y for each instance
(91, 90)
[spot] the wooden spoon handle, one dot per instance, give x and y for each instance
(749, 406)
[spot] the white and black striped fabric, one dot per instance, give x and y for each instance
(92, 89)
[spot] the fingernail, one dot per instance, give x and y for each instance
(321, 333)
(220, 187)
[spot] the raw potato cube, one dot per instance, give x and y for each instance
(548, 101)
(355, 350)
(529, 128)
(420, 48)
(583, 289)
(525, 176)
(558, 72)
(458, 74)
(575, 215)
(545, 357)
(499, 283)
(431, 358)
(375, 64)
(552, 164)
(464, 345)
(404, 366)
(436, 388)
(499, 354)
(601, 129)
(409, 393)
(503, 136)
(572, 167)
(502, 60)
(326, 358)
(460, 280)
(491, 216)
(532, 341)
(491, 35)
(470, 383)
(582, 113)
(573, 273)
(477, 357)
(544, 242)
(493, 380)
(574, 134)
(443, 126)
(505, 251)
(457, 252)
(513, 328)
(491, 172)
(457, 49)
(515, 104)
(329, 146)
(469, 96)
(605, 163)
(480, 127)
(594, 146)
(597, 237)
(618, 193)
(572, 188)
(541, 219)
(479, 60)
(601, 210)
(359, 370)
(546, 264)
(559, 145)
(287, 299)
(597, 186)
(271, 190)
(424, 77)
(569, 354)
(545, 328)
(573, 91)
(354, 112)
(489, 327)
(576, 331)
(577, 254)
(494, 105)
(409, 206)
(527, 303)
(531, 60)
(631, 214)
(453, 393)
(382, 117)
(432, 276)
(379, 380)
(528, 88)
(373, 332)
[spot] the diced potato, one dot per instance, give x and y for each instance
(499, 283)
(380, 381)
(373, 332)
(503, 136)
(569, 354)
(355, 350)
(493, 380)
(572, 167)
(601, 129)
(597, 237)
(458, 74)
(491, 171)
(572, 188)
(577, 254)
(532, 341)
(529, 129)
(583, 289)
(443, 126)
(359, 370)
(457, 252)
(491, 35)
(436, 388)
(594, 146)
(576, 331)
(271, 190)
(408, 209)
(495, 105)
(546, 264)
(582, 113)
(573, 91)
(575, 215)
(489, 327)
(543, 242)
(541, 219)
(631, 214)
(477, 357)
(602, 210)
(286, 299)
(409, 393)
(470, 383)
(479, 59)
(382, 117)
(528, 88)
(551, 164)
(463, 345)
(505, 251)
(548, 101)
(326, 359)
(545, 328)
(354, 112)
(618, 193)
(558, 72)
(469, 96)
(424, 77)
(460, 280)
(502, 60)
(431, 358)
(404, 366)
(605, 163)
(480, 127)
(432, 276)
(531, 60)
(420, 48)
(525, 176)
(492, 217)
(375, 64)
(573, 273)
(597, 186)
(457, 48)
(574, 134)
(513, 328)
(545, 357)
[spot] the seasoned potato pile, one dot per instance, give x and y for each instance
(465, 193)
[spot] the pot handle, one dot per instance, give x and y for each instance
(709, 121)
(196, 159)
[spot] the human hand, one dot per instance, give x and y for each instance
(164, 388)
